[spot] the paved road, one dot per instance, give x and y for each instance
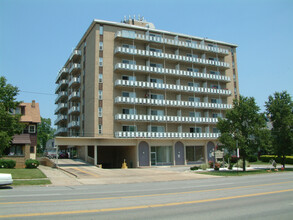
(256, 197)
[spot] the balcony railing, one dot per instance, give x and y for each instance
(60, 94)
(121, 134)
(74, 109)
(74, 95)
(74, 81)
(60, 130)
(74, 67)
(165, 118)
(75, 53)
(171, 57)
(170, 103)
(60, 106)
(73, 124)
(162, 40)
(61, 83)
(60, 118)
(172, 87)
(165, 71)
(61, 72)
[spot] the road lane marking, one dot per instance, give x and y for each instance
(142, 206)
(85, 172)
(141, 196)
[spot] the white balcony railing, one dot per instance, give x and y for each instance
(165, 71)
(74, 95)
(60, 94)
(61, 72)
(172, 87)
(73, 124)
(171, 103)
(74, 67)
(121, 134)
(61, 82)
(60, 130)
(171, 57)
(75, 53)
(74, 80)
(192, 45)
(60, 106)
(60, 118)
(74, 109)
(165, 118)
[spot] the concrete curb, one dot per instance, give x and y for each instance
(67, 171)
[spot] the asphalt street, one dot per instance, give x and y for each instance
(267, 196)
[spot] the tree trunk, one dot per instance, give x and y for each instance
(244, 165)
(283, 160)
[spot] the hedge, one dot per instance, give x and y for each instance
(7, 163)
(267, 158)
(30, 163)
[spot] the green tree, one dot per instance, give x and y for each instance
(242, 127)
(280, 112)
(9, 123)
(45, 132)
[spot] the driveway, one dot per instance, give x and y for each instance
(78, 172)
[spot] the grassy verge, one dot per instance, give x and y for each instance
(241, 173)
(27, 176)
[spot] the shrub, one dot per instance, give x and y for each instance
(217, 166)
(240, 163)
(204, 166)
(194, 168)
(7, 163)
(31, 164)
(252, 158)
(211, 164)
(267, 158)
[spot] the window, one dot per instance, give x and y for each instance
(157, 128)
(215, 72)
(100, 111)
(213, 58)
(217, 115)
(158, 65)
(213, 86)
(192, 69)
(101, 30)
(156, 80)
(194, 99)
(129, 78)
(16, 150)
(100, 129)
(195, 130)
(129, 62)
(32, 129)
(156, 50)
(192, 55)
(157, 96)
(15, 111)
(128, 34)
(129, 111)
(100, 78)
(194, 114)
(101, 61)
(128, 46)
(215, 130)
(32, 149)
(100, 94)
(101, 45)
(194, 154)
(216, 101)
(128, 128)
(192, 84)
(156, 112)
(129, 94)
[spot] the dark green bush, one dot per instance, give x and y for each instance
(267, 158)
(7, 163)
(194, 168)
(31, 164)
(252, 158)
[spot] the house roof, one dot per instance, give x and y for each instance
(31, 113)
(21, 139)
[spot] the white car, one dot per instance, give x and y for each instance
(5, 179)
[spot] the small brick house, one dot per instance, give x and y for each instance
(24, 146)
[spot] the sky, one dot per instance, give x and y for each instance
(38, 36)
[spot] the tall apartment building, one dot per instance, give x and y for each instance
(152, 97)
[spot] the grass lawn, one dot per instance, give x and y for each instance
(241, 173)
(27, 176)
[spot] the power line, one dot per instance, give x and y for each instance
(40, 93)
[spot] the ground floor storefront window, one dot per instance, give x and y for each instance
(161, 155)
(194, 154)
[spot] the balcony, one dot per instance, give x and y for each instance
(60, 118)
(165, 118)
(61, 130)
(74, 95)
(60, 107)
(62, 73)
(179, 43)
(74, 54)
(172, 72)
(75, 81)
(61, 94)
(74, 68)
(121, 134)
(74, 109)
(74, 124)
(62, 83)
(170, 103)
(172, 87)
(171, 57)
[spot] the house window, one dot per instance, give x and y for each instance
(100, 129)
(101, 30)
(100, 111)
(100, 94)
(101, 61)
(101, 45)
(32, 129)
(16, 150)
(128, 128)
(100, 78)
(32, 149)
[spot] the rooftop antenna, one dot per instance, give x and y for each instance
(133, 17)
(124, 18)
(139, 17)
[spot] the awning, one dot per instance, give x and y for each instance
(21, 139)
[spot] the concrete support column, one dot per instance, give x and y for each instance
(95, 155)
(86, 153)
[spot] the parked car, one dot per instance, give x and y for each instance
(5, 179)
(51, 154)
(63, 155)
